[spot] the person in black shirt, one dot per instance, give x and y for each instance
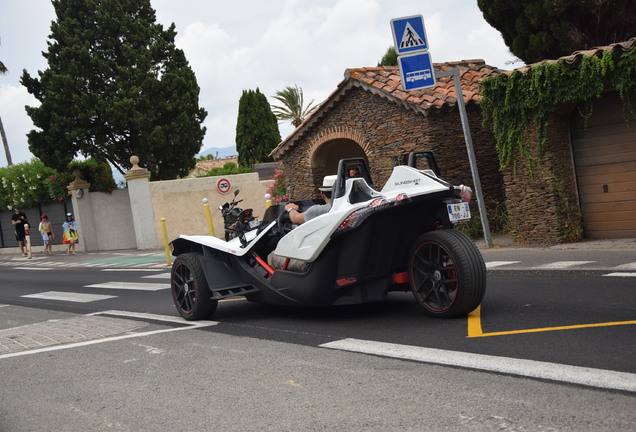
(19, 219)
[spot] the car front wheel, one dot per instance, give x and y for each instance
(190, 291)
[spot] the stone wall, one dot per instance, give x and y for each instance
(542, 199)
(387, 132)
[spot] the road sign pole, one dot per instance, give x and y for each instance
(454, 72)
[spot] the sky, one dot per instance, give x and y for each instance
(234, 46)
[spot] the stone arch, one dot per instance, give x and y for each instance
(330, 146)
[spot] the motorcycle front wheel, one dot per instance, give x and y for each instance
(447, 273)
(190, 291)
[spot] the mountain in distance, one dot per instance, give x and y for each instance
(218, 152)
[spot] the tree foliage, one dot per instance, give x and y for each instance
(535, 30)
(116, 86)
(257, 131)
(293, 107)
(390, 58)
(31, 183)
(522, 102)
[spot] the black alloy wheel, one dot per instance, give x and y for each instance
(190, 291)
(447, 273)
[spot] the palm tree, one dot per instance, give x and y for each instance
(3, 70)
(293, 105)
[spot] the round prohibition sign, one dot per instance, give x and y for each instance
(223, 186)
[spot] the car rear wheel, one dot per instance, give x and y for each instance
(190, 291)
(447, 273)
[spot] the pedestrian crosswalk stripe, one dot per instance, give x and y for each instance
(136, 286)
(69, 296)
(619, 274)
(492, 264)
(33, 268)
(628, 266)
(129, 270)
(562, 264)
(157, 276)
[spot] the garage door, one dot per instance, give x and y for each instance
(605, 160)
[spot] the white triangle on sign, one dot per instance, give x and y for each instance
(410, 38)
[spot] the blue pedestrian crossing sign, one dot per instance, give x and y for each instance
(409, 34)
(417, 71)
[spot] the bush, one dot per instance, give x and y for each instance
(278, 190)
(30, 183)
(24, 184)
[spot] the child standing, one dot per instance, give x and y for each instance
(70, 233)
(46, 229)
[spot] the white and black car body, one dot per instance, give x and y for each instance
(370, 243)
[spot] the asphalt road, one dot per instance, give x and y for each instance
(551, 348)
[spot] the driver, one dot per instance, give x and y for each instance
(299, 218)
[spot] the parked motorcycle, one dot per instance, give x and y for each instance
(237, 221)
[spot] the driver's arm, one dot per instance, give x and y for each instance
(294, 215)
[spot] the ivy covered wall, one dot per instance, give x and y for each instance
(530, 111)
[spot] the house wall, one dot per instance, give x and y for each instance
(542, 198)
(387, 132)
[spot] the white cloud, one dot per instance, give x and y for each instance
(16, 121)
(235, 46)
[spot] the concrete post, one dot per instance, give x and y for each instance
(141, 205)
(83, 208)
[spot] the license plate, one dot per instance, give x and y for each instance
(458, 212)
(254, 223)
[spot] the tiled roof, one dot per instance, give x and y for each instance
(385, 81)
(574, 59)
(203, 166)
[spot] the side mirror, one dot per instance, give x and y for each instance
(236, 192)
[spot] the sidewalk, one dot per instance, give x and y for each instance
(505, 242)
(119, 258)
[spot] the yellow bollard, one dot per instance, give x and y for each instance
(27, 240)
(165, 241)
(268, 201)
(208, 216)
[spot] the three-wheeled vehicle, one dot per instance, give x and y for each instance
(370, 243)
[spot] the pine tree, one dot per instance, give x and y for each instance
(257, 131)
(116, 86)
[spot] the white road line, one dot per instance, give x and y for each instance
(157, 276)
(493, 264)
(135, 286)
(69, 296)
(628, 266)
(619, 274)
(562, 265)
(33, 268)
(129, 270)
(191, 326)
(600, 378)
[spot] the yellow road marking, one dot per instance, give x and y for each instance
(232, 299)
(474, 326)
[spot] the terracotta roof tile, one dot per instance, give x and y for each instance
(386, 81)
(574, 59)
